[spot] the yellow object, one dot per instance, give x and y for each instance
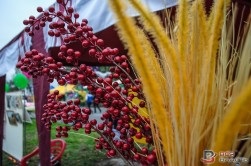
(142, 112)
(64, 89)
(205, 66)
(70, 88)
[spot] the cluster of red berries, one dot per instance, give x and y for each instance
(36, 64)
(122, 115)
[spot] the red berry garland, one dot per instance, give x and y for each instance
(117, 100)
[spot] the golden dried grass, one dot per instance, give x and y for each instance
(196, 84)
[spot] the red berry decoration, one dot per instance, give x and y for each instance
(116, 92)
(151, 158)
(39, 9)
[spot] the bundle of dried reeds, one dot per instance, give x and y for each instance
(197, 81)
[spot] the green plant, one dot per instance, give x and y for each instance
(79, 151)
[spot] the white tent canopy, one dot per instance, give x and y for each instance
(98, 14)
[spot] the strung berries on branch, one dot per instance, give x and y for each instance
(121, 125)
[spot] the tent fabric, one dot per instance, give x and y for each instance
(108, 35)
(41, 89)
(9, 55)
(2, 105)
(100, 16)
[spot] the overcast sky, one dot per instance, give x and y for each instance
(12, 14)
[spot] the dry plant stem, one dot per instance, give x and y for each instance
(151, 23)
(64, 6)
(135, 50)
(239, 109)
(217, 17)
(150, 55)
(95, 84)
(207, 79)
(196, 117)
(183, 24)
(171, 69)
(157, 141)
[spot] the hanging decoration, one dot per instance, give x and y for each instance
(20, 81)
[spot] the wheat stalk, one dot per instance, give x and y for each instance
(201, 84)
